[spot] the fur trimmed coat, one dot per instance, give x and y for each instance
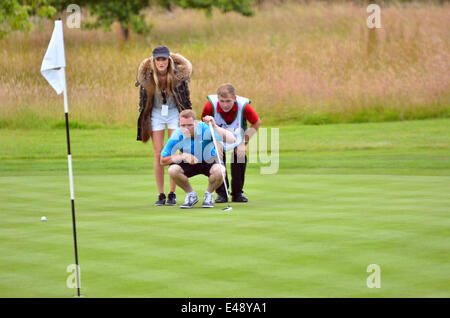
(183, 73)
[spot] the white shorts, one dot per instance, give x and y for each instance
(171, 120)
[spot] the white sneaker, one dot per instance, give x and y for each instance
(208, 200)
(189, 201)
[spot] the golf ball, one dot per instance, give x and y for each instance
(43, 218)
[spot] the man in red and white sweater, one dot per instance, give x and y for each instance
(232, 112)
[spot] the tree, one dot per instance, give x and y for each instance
(130, 14)
(241, 6)
(127, 13)
(15, 14)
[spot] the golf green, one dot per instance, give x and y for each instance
(310, 230)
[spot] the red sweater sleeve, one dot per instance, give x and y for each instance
(207, 110)
(250, 114)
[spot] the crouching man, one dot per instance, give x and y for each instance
(190, 151)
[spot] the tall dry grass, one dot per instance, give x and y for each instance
(305, 63)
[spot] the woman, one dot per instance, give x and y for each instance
(164, 93)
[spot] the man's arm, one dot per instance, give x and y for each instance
(165, 161)
(170, 155)
(252, 130)
(227, 136)
(241, 150)
(250, 115)
(207, 109)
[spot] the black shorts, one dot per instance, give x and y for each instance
(193, 170)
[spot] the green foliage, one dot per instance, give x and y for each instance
(241, 6)
(130, 13)
(166, 4)
(15, 14)
(125, 12)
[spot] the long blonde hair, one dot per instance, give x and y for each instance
(170, 85)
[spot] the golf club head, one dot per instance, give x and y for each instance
(228, 208)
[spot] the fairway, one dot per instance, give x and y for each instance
(345, 196)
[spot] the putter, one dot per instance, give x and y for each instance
(228, 208)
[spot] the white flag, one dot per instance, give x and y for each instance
(55, 60)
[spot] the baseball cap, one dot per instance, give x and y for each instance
(161, 51)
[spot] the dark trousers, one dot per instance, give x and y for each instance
(237, 177)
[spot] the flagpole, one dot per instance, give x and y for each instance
(53, 69)
(72, 195)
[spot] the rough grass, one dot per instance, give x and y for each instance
(299, 63)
